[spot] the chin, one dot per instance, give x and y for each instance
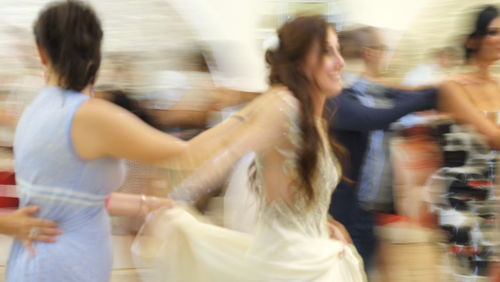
(334, 91)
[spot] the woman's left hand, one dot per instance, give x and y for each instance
(154, 203)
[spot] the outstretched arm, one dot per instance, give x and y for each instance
(264, 130)
(124, 204)
(102, 129)
(351, 114)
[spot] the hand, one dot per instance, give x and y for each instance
(154, 203)
(262, 102)
(338, 231)
(22, 225)
(223, 98)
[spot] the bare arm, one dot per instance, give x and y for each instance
(264, 130)
(452, 99)
(176, 118)
(123, 204)
(258, 132)
(102, 129)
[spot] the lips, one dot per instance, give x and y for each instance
(335, 76)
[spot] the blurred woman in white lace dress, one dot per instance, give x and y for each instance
(294, 174)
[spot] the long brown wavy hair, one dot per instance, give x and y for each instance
(296, 40)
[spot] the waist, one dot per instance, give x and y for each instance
(60, 195)
(71, 218)
(72, 210)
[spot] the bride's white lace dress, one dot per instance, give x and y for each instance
(290, 241)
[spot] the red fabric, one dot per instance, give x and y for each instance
(8, 197)
(7, 178)
(8, 202)
(385, 218)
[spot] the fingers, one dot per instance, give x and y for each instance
(29, 210)
(38, 233)
(158, 203)
(336, 234)
(50, 231)
(340, 233)
(44, 238)
(27, 228)
(38, 222)
(46, 230)
(340, 228)
(42, 234)
(345, 233)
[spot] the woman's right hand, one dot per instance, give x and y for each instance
(338, 232)
(23, 225)
(267, 100)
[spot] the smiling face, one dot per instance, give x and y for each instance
(324, 63)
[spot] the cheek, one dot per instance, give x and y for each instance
(490, 45)
(329, 65)
(327, 81)
(323, 76)
(325, 70)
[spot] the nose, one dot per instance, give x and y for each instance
(339, 62)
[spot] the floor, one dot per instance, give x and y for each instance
(123, 267)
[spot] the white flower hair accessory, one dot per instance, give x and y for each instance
(271, 43)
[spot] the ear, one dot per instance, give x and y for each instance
(472, 43)
(41, 55)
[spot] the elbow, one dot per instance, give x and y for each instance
(171, 155)
(182, 148)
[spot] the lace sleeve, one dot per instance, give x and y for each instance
(266, 121)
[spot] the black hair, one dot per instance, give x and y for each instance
(70, 34)
(483, 20)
